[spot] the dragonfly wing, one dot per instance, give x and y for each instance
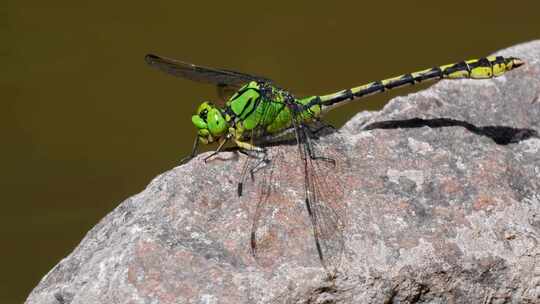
(324, 196)
(227, 81)
(219, 77)
(327, 219)
(278, 221)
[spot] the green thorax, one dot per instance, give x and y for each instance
(259, 109)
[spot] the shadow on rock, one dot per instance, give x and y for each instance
(501, 135)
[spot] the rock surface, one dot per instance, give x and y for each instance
(439, 194)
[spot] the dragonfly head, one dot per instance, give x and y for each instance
(210, 122)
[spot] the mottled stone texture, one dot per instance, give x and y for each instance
(441, 204)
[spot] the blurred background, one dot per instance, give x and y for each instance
(86, 124)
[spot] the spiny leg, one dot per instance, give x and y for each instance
(194, 151)
(323, 126)
(222, 143)
(309, 146)
(262, 162)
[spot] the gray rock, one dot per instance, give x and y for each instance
(438, 194)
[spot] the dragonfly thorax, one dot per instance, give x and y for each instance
(210, 122)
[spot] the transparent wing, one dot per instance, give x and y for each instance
(219, 77)
(280, 229)
(299, 202)
(323, 196)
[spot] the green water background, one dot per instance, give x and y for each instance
(85, 123)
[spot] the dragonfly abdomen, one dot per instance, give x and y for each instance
(482, 68)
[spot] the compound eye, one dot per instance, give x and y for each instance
(203, 109)
(204, 114)
(199, 122)
(216, 122)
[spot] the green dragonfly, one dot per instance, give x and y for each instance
(255, 112)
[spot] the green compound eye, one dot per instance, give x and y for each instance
(209, 120)
(216, 123)
(198, 122)
(203, 109)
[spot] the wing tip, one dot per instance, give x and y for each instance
(151, 58)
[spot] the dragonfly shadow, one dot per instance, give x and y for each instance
(501, 135)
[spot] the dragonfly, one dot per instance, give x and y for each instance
(252, 112)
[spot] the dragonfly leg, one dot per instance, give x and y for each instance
(194, 151)
(247, 146)
(261, 156)
(255, 152)
(309, 146)
(248, 149)
(222, 142)
(263, 162)
(323, 126)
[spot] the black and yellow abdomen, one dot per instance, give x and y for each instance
(482, 68)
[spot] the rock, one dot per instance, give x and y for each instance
(438, 196)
